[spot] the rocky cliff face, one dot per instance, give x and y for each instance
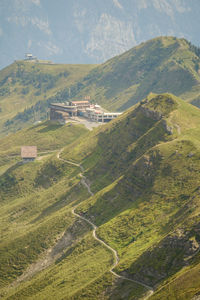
(90, 31)
(175, 251)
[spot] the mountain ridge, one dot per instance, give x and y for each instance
(90, 32)
(143, 170)
(164, 64)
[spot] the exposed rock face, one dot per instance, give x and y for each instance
(167, 128)
(110, 37)
(90, 31)
(149, 113)
(196, 298)
(156, 115)
(175, 251)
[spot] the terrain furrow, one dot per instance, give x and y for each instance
(114, 252)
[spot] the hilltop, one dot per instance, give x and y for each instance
(26, 88)
(160, 65)
(90, 31)
(143, 171)
(164, 64)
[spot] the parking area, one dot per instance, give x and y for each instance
(88, 124)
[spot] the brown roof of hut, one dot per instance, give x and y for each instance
(28, 151)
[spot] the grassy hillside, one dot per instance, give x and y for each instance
(143, 169)
(143, 199)
(164, 64)
(46, 136)
(25, 88)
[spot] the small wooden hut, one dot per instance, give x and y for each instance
(28, 153)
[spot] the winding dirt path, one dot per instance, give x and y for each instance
(114, 252)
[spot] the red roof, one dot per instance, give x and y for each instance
(28, 151)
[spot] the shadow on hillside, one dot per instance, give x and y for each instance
(111, 204)
(50, 127)
(37, 126)
(128, 185)
(51, 209)
(13, 168)
(166, 258)
(64, 200)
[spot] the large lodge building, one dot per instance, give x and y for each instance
(63, 111)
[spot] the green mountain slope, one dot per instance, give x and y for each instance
(25, 88)
(143, 170)
(164, 64)
(153, 187)
(46, 136)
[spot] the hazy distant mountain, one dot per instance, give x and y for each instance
(90, 31)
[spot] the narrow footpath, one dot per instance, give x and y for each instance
(115, 255)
